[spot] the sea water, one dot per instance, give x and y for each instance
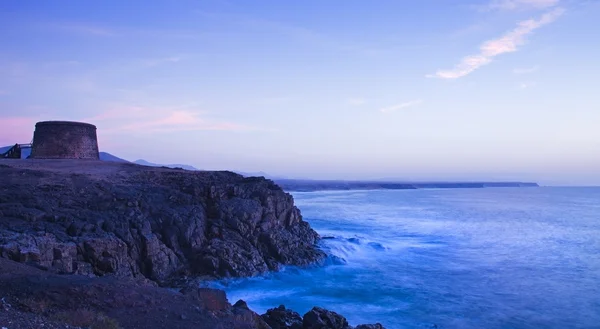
(448, 258)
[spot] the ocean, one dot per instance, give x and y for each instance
(446, 258)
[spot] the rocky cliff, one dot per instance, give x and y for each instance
(31, 298)
(99, 236)
(97, 218)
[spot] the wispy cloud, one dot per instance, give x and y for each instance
(182, 121)
(522, 4)
(3, 92)
(526, 85)
(17, 129)
(119, 113)
(148, 120)
(98, 30)
(86, 29)
(526, 70)
(401, 106)
(275, 100)
(158, 61)
(508, 43)
(356, 101)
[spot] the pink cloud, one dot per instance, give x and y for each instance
(182, 121)
(140, 119)
(118, 113)
(17, 130)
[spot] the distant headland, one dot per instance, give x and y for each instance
(322, 185)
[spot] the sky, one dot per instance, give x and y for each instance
(337, 89)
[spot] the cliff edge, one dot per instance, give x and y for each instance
(98, 218)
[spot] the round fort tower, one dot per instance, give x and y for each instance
(64, 140)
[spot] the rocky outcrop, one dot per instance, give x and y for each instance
(316, 318)
(39, 297)
(370, 326)
(282, 318)
(32, 298)
(115, 230)
(97, 218)
(319, 318)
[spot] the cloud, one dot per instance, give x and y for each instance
(140, 119)
(522, 4)
(158, 61)
(86, 29)
(526, 85)
(275, 100)
(508, 43)
(356, 101)
(400, 106)
(17, 129)
(119, 113)
(181, 121)
(97, 30)
(526, 70)
(3, 92)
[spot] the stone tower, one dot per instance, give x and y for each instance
(65, 140)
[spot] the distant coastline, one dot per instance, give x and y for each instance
(313, 185)
(296, 185)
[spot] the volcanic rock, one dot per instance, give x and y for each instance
(98, 218)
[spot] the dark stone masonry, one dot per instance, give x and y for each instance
(65, 140)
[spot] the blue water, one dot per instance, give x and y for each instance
(455, 258)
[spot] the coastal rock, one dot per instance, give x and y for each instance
(241, 304)
(99, 218)
(282, 318)
(319, 318)
(370, 326)
(33, 298)
(210, 299)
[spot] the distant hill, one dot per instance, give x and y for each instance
(105, 156)
(259, 174)
(320, 185)
(150, 164)
(303, 185)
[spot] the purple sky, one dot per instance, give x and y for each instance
(420, 90)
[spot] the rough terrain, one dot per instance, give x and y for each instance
(98, 218)
(86, 244)
(32, 298)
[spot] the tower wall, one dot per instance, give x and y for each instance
(64, 140)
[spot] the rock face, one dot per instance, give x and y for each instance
(370, 326)
(282, 318)
(32, 298)
(317, 318)
(30, 294)
(115, 230)
(97, 218)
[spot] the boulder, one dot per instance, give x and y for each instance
(370, 326)
(319, 318)
(282, 318)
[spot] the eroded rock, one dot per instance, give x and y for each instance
(319, 318)
(136, 221)
(282, 318)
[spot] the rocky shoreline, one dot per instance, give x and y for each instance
(98, 241)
